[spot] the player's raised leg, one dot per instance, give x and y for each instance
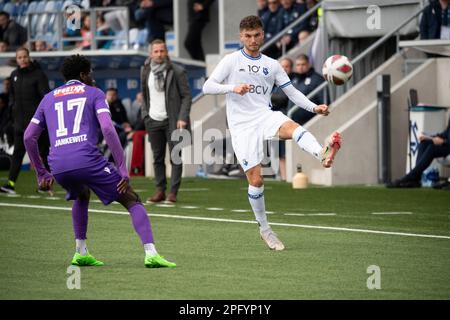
(307, 142)
(82, 257)
(256, 199)
(141, 223)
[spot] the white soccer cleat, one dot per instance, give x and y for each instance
(330, 149)
(271, 239)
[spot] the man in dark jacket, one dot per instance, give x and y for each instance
(270, 23)
(289, 12)
(436, 146)
(198, 15)
(306, 81)
(29, 85)
(166, 107)
(435, 22)
(11, 32)
(154, 14)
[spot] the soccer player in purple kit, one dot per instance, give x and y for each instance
(73, 115)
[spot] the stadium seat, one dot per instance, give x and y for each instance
(9, 7)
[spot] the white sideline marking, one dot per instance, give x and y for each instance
(215, 209)
(33, 197)
(52, 198)
(189, 207)
(162, 205)
(388, 213)
(310, 214)
(418, 235)
(241, 210)
(193, 189)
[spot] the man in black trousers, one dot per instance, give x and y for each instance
(430, 148)
(166, 107)
(29, 85)
(198, 16)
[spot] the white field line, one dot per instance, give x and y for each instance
(403, 234)
(391, 213)
(310, 214)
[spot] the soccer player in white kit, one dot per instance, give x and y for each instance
(247, 77)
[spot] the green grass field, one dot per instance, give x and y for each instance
(220, 256)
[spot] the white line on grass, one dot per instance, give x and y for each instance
(418, 235)
(391, 213)
(240, 210)
(189, 207)
(215, 209)
(310, 214)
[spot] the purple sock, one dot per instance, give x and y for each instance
(141, 223)
(80, 218)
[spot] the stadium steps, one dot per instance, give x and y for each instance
(355, 115)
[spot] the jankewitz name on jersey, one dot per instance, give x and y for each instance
(70, 140)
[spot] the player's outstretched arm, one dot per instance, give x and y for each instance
(30, 139)
(113, 142)
(212, 86)
(302, 101)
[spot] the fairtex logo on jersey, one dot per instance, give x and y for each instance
(68, 90)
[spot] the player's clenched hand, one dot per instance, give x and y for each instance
(46, 182)
(322, 109)
(241, 89)
(123, 185)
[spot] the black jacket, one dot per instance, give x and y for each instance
(201, 15)
(430, 24)
(307, 82)
(446, 133)
(15, 35)
(28, 87)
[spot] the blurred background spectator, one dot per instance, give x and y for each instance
(289, 12)
(155, 15)
(270, 22)
(11, 32)
(4, 46)
(306, 80)
(198, 18)
(435, 21)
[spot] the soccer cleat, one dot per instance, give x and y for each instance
(8, 188)
(271, 239)
(87, 260)
(158, 261)
(330, 149)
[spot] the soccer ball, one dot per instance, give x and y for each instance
(337, 69)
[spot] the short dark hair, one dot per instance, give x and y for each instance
(112, 89)
(157, 41)
(4, 13)
(74, 65)
(250, 23)
(303, 57)
(291, 63)
(23, 49)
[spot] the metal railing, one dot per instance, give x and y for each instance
(363, 54)
(60, 38)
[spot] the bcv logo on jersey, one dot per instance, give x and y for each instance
(258, 89)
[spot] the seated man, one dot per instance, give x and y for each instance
(436, 146)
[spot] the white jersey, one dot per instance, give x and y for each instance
(262, 74)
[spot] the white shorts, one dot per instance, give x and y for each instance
(248, 143)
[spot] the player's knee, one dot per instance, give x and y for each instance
(129, 199)
(85, 195)
(256, 180)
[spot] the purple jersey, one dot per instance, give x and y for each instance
(69, 113)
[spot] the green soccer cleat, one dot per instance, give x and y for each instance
(158, 262)
(87, 260)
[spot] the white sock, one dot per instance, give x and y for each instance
(150, 249)
(256, 199)
(307, 142)
(81, 247)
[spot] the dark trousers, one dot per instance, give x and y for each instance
(19, 152)
(427, 152)
(193, 41)
(159, 137)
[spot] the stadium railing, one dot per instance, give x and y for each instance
(51, 26)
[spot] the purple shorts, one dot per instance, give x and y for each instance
(102, 179)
